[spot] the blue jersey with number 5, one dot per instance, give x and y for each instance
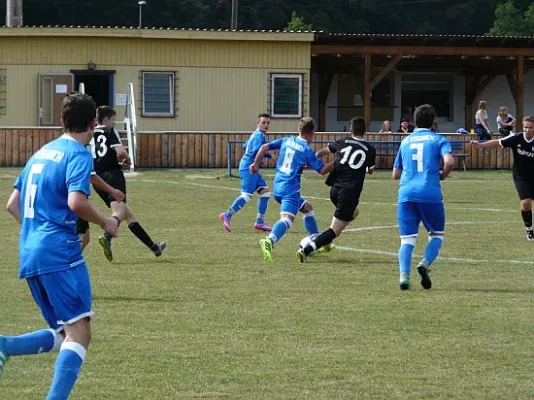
(419, 158)
(48, 239)
(295, 153)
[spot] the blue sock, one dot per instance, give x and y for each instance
(36, 342)
(405, 256)
(68, 364)
(310, 223)
(237, 205)
(432, 249)
(279, 230)
(263, 202)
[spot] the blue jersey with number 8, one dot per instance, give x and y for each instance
(48, 239)
(295, 153)
(419, 158)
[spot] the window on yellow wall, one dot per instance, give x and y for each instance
(286, 95)
(158, 94)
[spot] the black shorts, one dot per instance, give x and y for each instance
(525, 189)
(82, 226)
(346, 201)
(116, 180)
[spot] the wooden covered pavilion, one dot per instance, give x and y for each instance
(370, 57)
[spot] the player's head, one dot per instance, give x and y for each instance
(78, 111)
(528, 126)
(357, 126)
(264, 122)
(424, 116)
(307, 128)
(105, 115)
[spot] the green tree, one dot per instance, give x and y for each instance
(510, 21)
(297, 24)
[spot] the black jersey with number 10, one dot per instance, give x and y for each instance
(353, 157)
(103, 146)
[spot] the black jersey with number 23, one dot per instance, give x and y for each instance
(103, 146)
(353, 157)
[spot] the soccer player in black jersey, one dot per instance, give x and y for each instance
(522, 145)
(354, 158)
(107, 150)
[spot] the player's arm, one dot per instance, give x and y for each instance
(116, 143)
(330, 148)
(326, 168)
(100, 184)
(80, 204)
(448, 166)
(397, 166)
(371, 160)
(254, 167)
(13, 205)
(490, 144)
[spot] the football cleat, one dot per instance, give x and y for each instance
(106, 246)
(327, 249)
(262, 227)
(158, 248)
(404, 282)
(226, 222)
(267, 250)
(301, 257)
(423, 270)
(530, 235)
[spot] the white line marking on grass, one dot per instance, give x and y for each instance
(316, 198)
(455, 259)
(372, 228)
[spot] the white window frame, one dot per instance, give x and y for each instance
(171, 112)
(300, 77)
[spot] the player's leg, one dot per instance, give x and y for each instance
(69, 293)
(525, 190)
(263, 202)
(37, 342)
(433, 217)
(248, 187)
(310, 222)
(288, 210)
(136, 228)
(105, 239)
(408, 219)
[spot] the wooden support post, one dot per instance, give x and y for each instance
(520, 93)
(325, 81)
(367, 90)
(382, 74)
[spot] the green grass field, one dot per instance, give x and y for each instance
(210, 320)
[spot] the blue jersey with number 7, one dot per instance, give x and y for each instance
(419, 158)
(48, 239)
(295, 153)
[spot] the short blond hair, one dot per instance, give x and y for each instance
(307, 125)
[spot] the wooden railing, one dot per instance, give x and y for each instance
(210, 150)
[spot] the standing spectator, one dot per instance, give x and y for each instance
(405, 126)
(482, 127)
(505, 122)
(386, 127)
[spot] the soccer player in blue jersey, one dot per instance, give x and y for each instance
(420, 199)
(252, 183)
(295, 153)
(49, 195)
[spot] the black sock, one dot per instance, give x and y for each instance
(322, 240)
(141, 234)
(527, 218)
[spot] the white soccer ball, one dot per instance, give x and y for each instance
(306, 241)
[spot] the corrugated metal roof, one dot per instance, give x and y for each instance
(158, 28)
(415, 35)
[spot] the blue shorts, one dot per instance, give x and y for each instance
(251, 183)
(410, 214)
(63, 297)
(290, 204)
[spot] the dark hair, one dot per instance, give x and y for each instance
(529, 118)
(404, 119)
(307, 125)
(424, 116)
(264, 115)
(358, 126)
(104, 112)
(78, 110)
